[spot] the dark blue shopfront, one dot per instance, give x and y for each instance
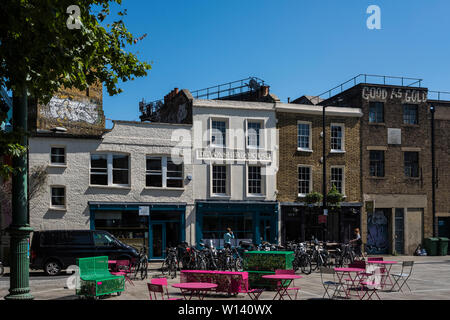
(253, 221)
(154, 226)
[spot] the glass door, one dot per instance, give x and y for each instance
(157, 240)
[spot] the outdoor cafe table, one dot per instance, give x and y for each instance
(227, 281)
(195, 288)
(282, 286)
(387, 265)
(353, 278)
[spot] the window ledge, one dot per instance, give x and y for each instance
(224, 196)
(57, 165)
(109, 187)
(164, 189)
(337, 151)
(412, 178)
(378, 178)
(408, 125)
(57, 209)
(304, 150)
(377, 124)
(256, 196)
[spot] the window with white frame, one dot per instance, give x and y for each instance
(218, 133)
(219, 179)
(58, 197)
(164, 172)
(254, 180)
(58, 155)
(337, 178)
(304, 141)
(110, 169)
(253, 134)
(304, 180)
(337, 137)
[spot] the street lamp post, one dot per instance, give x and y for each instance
(19, 229)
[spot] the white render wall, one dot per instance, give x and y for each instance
(236, 113)
(135, 138)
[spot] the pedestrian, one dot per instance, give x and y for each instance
(227, 238)
(357, 243)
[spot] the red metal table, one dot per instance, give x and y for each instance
(195, 288)
(353, 278)
(386, 265)
(282, 286)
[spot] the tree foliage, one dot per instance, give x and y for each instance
(40, 53)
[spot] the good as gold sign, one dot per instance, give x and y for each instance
(405, 95)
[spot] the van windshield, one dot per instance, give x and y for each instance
(103, 239)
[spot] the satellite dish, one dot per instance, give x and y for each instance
(253, 84)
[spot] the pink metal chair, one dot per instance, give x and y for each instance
(162, 282)
(124, 268)
(157, 289)
(280, 283)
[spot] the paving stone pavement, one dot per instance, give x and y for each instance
(430, 281)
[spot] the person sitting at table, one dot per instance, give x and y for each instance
(227, 238)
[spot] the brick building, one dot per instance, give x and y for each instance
(442, 162)
(395, 164)
(301, 169)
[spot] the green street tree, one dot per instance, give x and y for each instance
(46, 45)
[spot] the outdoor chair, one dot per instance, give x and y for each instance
(157, 289)
(329, 284)
(400, 279)
(161, 281)
(252, 293)
(282, 283)
(370, 288)
(124, 268)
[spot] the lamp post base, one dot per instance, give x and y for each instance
(20, 263)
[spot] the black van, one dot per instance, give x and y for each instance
(56, 250)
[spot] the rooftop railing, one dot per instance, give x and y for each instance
(373, 79)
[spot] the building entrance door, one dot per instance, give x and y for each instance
(162, 235)
(157, 240)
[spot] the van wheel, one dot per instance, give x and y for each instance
(52, 268)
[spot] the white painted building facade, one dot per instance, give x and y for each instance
(125, 182)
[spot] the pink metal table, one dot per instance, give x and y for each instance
(353, 277)
(195, 288)
(282, 286)
(387, 265)
(227, 281)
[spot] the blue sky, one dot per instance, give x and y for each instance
(297, 46)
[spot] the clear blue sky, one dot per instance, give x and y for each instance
(297, 46)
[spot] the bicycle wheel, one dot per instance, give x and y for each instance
(173, 269)
(165, 267)
(137, 269)
(315, 262)
(305, 264)
(144, 267)
(2, 269)
(239, 265)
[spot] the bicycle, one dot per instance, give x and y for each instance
(141, 267)
(2, 269)
(302, 260)
(170, 264)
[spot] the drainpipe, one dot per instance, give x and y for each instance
(433, 174)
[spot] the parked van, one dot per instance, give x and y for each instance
(54, 251)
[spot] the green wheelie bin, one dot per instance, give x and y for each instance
(431, 246)
(443, 246)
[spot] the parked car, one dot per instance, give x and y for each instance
(54, 251)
